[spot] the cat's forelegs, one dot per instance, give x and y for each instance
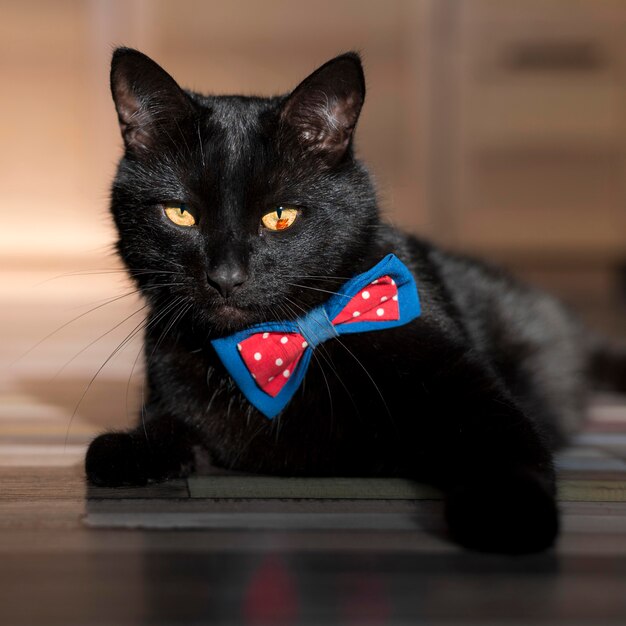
(156, 450)
(511, 511)
(496, 471)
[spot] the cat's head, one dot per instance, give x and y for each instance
(237, 207)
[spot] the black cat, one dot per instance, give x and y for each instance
(237, 210)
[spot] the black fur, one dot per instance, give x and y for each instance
(471, 396)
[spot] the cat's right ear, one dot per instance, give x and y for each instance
(147, 99)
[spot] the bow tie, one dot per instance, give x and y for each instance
(269, 360)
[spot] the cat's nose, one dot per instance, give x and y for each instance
(226, 279)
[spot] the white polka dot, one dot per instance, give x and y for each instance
(266, 335)
(257, 356)
(375, 282)
(365, 295)
(393, 282)
(286, 373)
(270, 379)
(239, 347)
(384, 299)
(380, 312)
(279, 362)
(253, 376)
(356, 314)
(284, 340)
(305, 345)
(395, 298)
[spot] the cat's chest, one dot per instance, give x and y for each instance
(340, 417)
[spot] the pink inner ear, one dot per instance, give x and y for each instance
(131, 113)
(323, 110)
(324, 123)
(146, 98)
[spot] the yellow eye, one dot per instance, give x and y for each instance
(178, 214)
(280, 219)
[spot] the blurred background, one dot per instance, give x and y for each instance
(495, 127)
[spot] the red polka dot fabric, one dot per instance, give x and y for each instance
(378, 302)
(272, 358)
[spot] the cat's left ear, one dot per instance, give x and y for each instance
(322, 111)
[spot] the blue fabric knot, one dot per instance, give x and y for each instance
(316, 327)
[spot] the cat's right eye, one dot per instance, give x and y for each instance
(178, 214)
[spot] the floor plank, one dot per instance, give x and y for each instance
(232, 549)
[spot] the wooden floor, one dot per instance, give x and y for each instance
(238, 550)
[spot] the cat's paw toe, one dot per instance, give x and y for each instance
(518, 516)
(115, 459)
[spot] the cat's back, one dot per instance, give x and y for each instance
(531, 339)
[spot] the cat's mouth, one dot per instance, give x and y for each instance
(232, 310)
(232, 316)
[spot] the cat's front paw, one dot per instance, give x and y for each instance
(512, 515)
(115, 459)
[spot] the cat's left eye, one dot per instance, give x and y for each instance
(178, 214)
(281, 218)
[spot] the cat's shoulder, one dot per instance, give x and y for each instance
(454, 277)
(431, 261)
